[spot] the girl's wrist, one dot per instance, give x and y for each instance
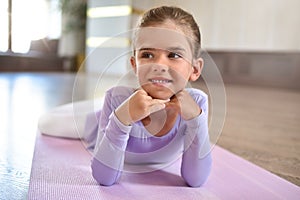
(194, 114)
(122, 113)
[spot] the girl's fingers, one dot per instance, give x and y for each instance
(152, 105)
(157, 104)
(156, 107)
(159, 101)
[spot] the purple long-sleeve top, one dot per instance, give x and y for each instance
(119, 148)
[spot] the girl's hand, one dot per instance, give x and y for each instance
(138, 106)
(184, 104)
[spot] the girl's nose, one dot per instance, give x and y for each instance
(161, 64)
(159, 68)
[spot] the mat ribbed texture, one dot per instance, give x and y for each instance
(61, 170)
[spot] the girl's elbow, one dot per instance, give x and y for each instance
(195, 183)
(102, 181)
(101, 174)
(195, 180)
(199, 178)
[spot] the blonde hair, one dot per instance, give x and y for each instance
(180, 17)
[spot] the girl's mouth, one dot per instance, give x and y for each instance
(160, 81)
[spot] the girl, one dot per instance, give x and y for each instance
(146, 128)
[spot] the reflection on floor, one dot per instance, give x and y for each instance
(261, 125)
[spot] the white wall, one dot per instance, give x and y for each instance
(109, 56)
(242, 24)
(254, 25)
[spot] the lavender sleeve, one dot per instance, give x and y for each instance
(112, 136)
(196, 159)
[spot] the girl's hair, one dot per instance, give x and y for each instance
(180, 17)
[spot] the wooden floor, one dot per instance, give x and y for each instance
(261, 124)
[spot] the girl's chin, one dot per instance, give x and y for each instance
(161, 95)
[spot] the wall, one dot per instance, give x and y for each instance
(108, 46)
(252, 42)
(268, 25)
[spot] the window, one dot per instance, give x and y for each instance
(3, 25)
(31, 20)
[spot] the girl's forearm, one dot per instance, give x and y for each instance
(196, 159)
(108, 160)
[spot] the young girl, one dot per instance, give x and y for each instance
(147, 128)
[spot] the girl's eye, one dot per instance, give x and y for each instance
(174, 55)
(147, 55)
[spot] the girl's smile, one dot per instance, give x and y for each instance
(160, 81)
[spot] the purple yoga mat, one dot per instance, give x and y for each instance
(61, 170)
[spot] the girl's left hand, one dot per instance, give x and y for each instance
(185, 105)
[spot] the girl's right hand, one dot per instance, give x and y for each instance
(138, 106)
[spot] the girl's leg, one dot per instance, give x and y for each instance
(69, 120)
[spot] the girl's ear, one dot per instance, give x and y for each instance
(197, 69)
(133, 63)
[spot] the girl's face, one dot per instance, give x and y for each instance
(164, 60)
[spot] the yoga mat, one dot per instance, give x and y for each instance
(61, 170)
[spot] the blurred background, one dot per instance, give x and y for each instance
(254, 42)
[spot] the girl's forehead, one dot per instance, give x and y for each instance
(162, 38)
